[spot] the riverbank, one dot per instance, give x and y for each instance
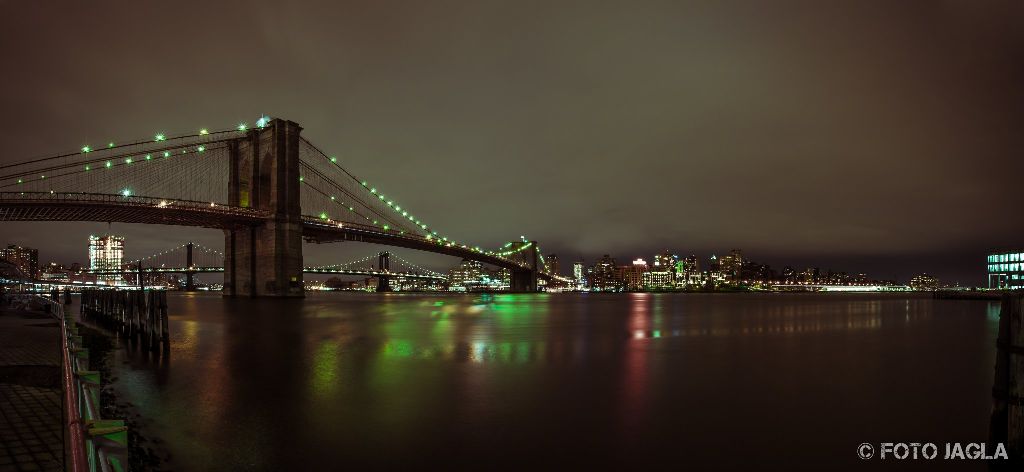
(31, 432)
(102, 345)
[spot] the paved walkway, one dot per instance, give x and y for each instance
(31, 434)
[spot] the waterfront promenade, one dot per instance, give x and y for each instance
(31, 436)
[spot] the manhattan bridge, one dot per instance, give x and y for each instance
(266, 186)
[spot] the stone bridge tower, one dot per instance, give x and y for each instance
(265, 260)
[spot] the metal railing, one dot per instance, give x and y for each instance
(94, 444)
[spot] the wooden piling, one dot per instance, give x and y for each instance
(165, 333)
(1007, 421)
(137, 314)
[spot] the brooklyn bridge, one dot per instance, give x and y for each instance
(266, 186)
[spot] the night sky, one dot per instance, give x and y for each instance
(866, 136)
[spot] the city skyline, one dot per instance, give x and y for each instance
(732, 268)
(832, 157)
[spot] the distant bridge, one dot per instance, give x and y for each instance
(191, 259)
(265, 186)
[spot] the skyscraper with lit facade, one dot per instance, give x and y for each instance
(662, 274)
(632, 276)
(577, 275)
(1006, 270)
(603, 277)
(25, 259)
(106, 253)
(552, 261)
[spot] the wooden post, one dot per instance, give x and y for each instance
(165, 333)
(1007, 421)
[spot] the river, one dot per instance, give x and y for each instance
(699, 381)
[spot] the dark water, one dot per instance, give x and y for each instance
(699, 381)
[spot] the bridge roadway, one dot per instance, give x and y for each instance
(63, 206)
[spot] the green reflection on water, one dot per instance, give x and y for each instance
(326, 362)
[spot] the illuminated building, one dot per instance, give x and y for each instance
(603, 277)
(24, 258)
(55, 272)
(658, 280)
(106, 254)
(466, 275)
(688, 272)
(664, 262)
(552, 261)
(577, 275)
(662, 275)
(472, 276)
(1006, 270)
(924, 282)
(731, 266)
(632, 276)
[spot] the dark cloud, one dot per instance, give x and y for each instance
(863, 135)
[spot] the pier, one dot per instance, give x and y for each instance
(134, 313)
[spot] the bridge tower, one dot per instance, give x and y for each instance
(384, 265)
(190, 283)
(525, 280)
(265, 260)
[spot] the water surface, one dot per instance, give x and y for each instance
(570, 380)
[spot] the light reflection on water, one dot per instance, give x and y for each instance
(399, 379)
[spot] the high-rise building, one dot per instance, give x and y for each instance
(924, 282)
(688, 272)
(24, 258)
(465, 276)
(106, 253)
(662, 274)
(552, 261)
(603, 276)
(577, 275)
(632, 276)
(731, 266)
